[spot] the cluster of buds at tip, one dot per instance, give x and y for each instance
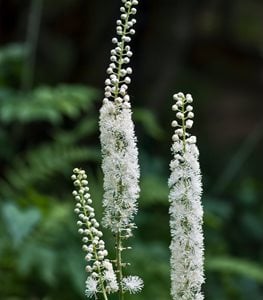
(99, 268)
(184, 115)
(118, 72)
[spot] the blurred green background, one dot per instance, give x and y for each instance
(53, 57)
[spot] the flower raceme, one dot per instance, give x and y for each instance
(185, 206)
(118, 141)
(101, 275)
(101, 278)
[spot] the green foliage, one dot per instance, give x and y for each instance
(42, 164)
(235, 266)
(149, 123)
(154, 190)
(11, 62)
(47, 131)
(38, 244)
(45, 104)
(19, 223)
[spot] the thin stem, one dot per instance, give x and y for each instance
(119, 264)
(31, 44)
(183, 127)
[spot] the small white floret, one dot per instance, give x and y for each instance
(132, 284)
(91, 287)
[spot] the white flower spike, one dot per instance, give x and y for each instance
(102, 278)
(118, 141)
(186, 212)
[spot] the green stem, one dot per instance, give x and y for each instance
(183, 127)
(31, 44)
(119, 264)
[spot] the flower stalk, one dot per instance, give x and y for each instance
(101, 278)
(186, 211)
(118, 141)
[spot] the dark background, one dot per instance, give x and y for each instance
(49, 113)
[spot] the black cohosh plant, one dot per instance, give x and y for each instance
(121, 186)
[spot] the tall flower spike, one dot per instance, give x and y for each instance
(101, 278)
(118, 141)
(185, 206)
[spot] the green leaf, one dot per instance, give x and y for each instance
(19, 222)
(41, 164)
(46, 103)
(235, 266)
(40, 258)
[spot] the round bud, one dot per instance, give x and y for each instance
(127, 80)
(174, 124)
(174, 107)
(180, 95)
(179, 115)
(123, 16)
(129, 70)
(88, 268)
(179, 131)
(179, 103)
(107, 94)
(189, 98)
(175, 138)
(126, 98)
(175, 97)
(190, 115)
(189, 123)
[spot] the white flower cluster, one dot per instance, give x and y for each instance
(132, 284)
(101, 275)
(120, 167)
(186, 211)
(118, 141)
(119, 74)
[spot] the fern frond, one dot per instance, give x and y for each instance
(46, 103)
(41, 164)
